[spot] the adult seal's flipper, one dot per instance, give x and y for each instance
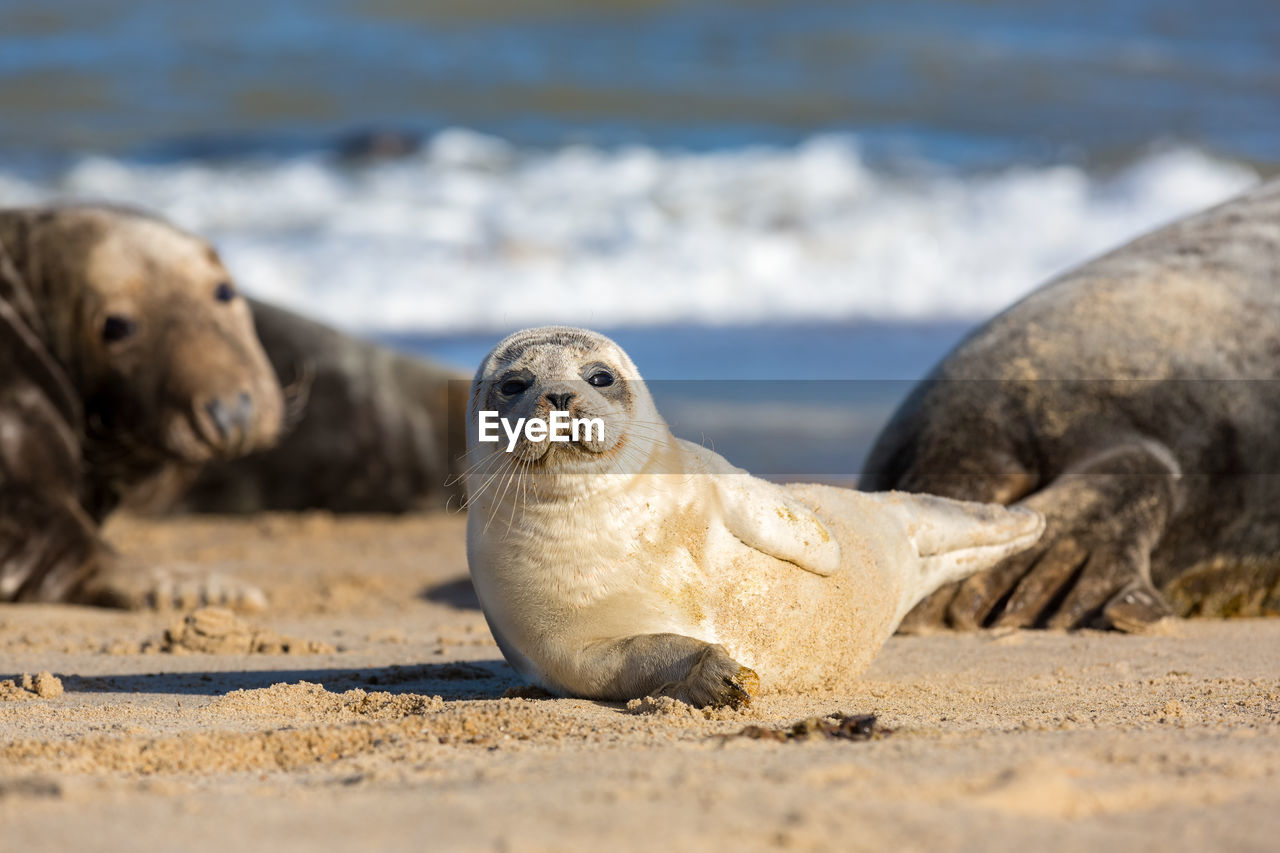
(1092, 567)
(23, 355)
(48, 548)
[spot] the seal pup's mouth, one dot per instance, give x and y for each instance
(546, 456)
(593, 435)
(535, 472)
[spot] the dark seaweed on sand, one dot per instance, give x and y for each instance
(833, 727)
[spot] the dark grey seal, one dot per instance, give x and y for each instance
(370, 429)
(125, 350)
(1134, 402)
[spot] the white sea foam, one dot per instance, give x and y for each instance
(474, 234)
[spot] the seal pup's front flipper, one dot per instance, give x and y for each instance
(954, 539)
(764, 516)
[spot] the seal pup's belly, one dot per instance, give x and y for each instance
(796, 629)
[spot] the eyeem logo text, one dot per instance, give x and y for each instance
(559, 427)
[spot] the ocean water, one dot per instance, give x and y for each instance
(761, 190)
(475, 234)
(974, 82)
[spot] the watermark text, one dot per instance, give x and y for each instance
(560, 426)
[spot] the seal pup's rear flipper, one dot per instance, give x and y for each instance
(955, 539)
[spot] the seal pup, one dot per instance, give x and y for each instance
(628, 563)
(1134, 402)
(125, 348)
(369, 430)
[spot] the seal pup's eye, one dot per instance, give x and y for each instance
(601, 379)
(224, 292)
(117, 328)
(513, 386)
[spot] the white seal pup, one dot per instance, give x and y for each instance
(629, 563)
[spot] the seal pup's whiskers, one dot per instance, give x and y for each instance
(513, 468)
(491, 476)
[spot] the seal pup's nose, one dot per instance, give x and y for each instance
(560, 402)
(231, 414)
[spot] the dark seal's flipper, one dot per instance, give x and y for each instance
(48, 547)
(1092, 567)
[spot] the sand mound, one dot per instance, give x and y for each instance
(218, 631)
(674, 709)
(43, 686)
(366, 727)
(217, 751)
(305, 700)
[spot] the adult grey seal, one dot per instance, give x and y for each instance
(369, 430)
(1134, 402)
(625, 562)
(124, 348)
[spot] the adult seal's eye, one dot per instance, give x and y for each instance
(513, 386)
(224, 292)
(117, 328)
(601, 379)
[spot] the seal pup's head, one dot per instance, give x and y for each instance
(147, 324)
(559, 368)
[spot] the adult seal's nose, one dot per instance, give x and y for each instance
(560, 401)
(233, 414)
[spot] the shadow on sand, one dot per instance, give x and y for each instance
(487, 679)
(458, 594)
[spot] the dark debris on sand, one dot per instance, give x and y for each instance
(833, 727)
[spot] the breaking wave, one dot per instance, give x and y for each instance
(473, 234)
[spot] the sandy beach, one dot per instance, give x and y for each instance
(368, 707)
(787, 214)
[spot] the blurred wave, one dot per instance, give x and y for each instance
(474, 234)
